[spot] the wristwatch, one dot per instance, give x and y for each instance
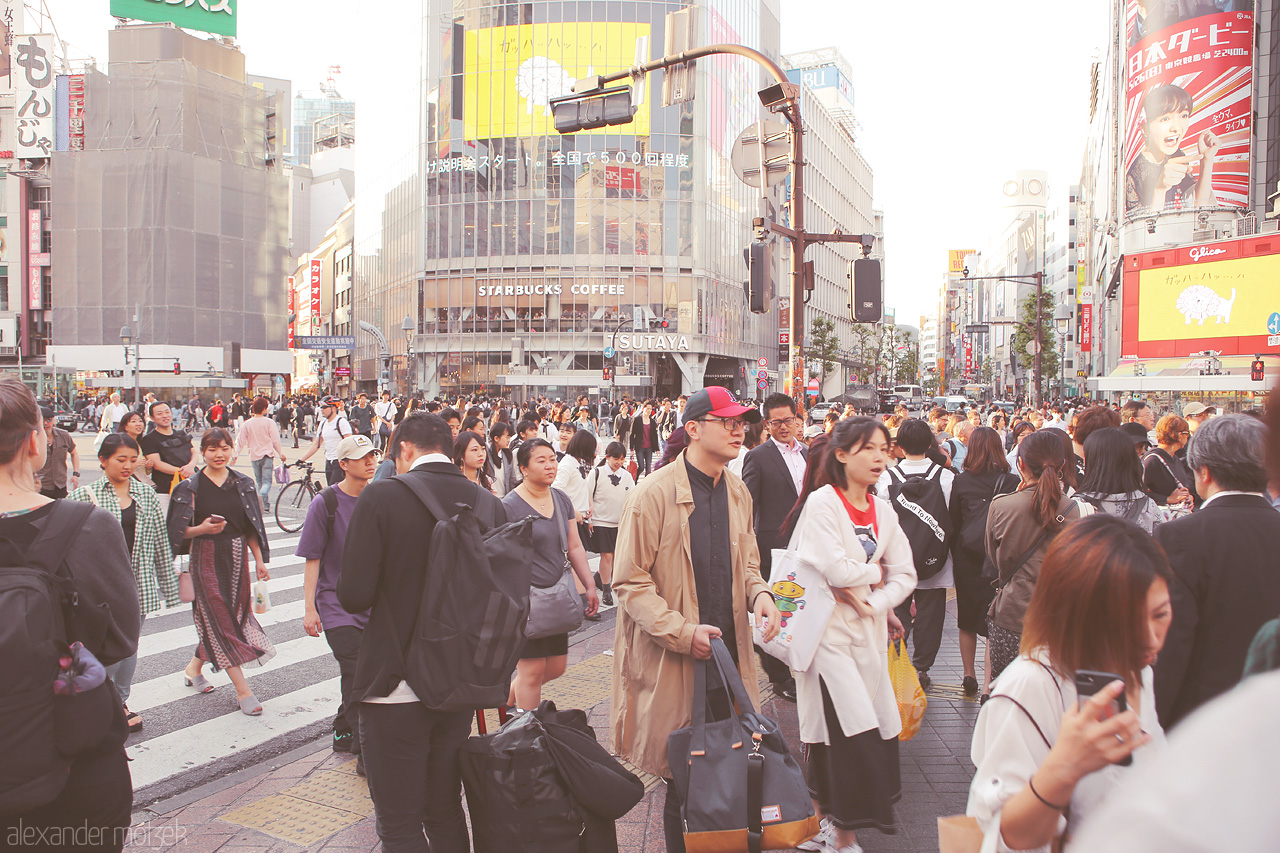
(75, 473)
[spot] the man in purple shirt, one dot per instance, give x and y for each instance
(323, 535)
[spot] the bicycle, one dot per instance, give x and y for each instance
(295, 499)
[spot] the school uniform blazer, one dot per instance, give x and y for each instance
(852, 659)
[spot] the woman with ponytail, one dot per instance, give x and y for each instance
(1020, 528)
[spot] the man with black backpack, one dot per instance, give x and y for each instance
(410, 749)
(920, 491)
(324, 534)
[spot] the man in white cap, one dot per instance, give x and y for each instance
(1196, 414)
(324, 534)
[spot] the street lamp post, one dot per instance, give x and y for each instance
(408, 327)
(127, 337)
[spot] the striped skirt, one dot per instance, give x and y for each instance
(228, 631)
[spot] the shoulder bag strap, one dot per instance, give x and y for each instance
(1023, 709)
(1021, 561)
(560, 528)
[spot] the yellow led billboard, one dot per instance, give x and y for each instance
(955, 259)
(1215, 299)
(512, 73)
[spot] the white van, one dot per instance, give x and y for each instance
(912, 396)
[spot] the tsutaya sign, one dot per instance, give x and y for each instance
(207, 16)
(633, 341)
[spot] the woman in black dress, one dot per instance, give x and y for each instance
(556, 550)
(986, 474)
(215, 516)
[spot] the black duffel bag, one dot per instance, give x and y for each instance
(543, 784)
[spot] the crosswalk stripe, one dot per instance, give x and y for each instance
(185, 749)
(176, 638)
(276, 584)
(169, 687)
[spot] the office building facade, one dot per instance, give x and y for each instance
(519, 254)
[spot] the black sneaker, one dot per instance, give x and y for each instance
(925, 681)
(342, 742)
(607, 597)
(970, 686)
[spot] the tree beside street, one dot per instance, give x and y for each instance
(1024, 333)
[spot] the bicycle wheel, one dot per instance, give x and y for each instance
(292, 504)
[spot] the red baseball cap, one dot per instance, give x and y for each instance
(719, 402)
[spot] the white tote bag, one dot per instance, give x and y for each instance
(805, 604)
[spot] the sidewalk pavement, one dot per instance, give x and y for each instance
(311, 799)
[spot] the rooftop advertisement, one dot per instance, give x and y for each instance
(1216, 296)
(512, 73)
(207, 16)
(1188, 119)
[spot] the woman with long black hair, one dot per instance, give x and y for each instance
(500, 465)
(986, 474)
(470, 457)
(1113, 479)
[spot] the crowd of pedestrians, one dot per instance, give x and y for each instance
(1118, 565)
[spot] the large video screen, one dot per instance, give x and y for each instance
(512, 73)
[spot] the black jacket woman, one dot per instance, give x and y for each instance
(985, 475)
(215, 516)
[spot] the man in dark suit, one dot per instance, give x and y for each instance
(774, 472)
(410, 751)
(1224, 559)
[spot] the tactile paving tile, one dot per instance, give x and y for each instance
(293, 819)
(336, 790)
(949, 691)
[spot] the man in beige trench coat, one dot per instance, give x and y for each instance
(686, 569)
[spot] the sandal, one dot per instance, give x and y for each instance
(250, 705)
(132, 720)
(200, 683)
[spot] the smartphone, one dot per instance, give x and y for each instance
(1089, 682)
(217, 518)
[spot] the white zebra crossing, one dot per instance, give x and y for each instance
(299, 660)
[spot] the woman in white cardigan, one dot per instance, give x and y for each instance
(848, 714)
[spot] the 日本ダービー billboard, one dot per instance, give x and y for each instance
(1214, 296)
(1189, 72)
(511, 74)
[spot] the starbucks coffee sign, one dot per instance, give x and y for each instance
(207, 16)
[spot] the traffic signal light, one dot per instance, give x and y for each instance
(1257, 370)
(608, 373)
(759, 284)
(595, 109)
(177, 367)
(867, 290)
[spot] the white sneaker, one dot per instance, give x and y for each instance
(823, 840)
(852, 848)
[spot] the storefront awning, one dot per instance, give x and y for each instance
(1183, 374)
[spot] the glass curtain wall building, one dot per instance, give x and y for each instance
(520, 254)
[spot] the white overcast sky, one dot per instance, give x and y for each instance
(952, 98)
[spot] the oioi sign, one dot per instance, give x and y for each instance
(208, 16)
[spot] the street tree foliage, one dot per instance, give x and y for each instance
(876, 357)
(1024, 334)
(824, 346)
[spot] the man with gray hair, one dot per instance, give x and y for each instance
(1224, 559)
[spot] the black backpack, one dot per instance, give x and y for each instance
(922, 511)
(42, 600)
(971, 538)
(475, 603)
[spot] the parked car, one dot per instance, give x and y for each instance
(1006, 405)
(819, 411)
(66, 420)
(956, 404)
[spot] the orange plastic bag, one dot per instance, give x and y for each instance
(912, 701)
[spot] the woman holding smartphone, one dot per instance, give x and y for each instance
(215, 516)
(1077, 705)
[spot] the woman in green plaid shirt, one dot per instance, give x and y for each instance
(136, 507)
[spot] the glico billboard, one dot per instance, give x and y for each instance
(512, 73)
(1214, 296)
(1189, 102)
